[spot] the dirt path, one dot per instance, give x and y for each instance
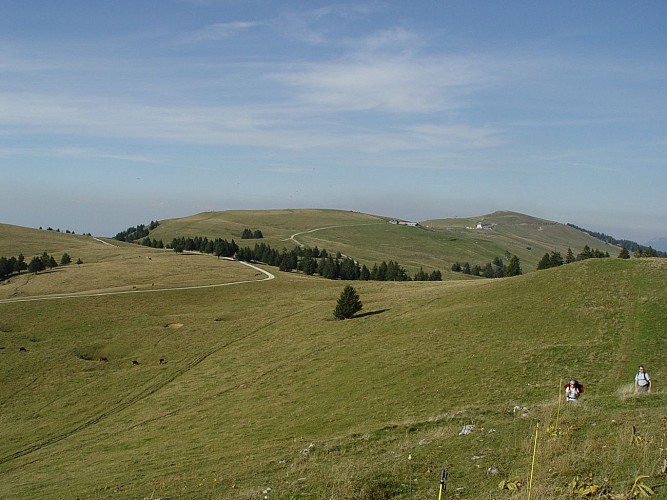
(293, 237)
(268, 276)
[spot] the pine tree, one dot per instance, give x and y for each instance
(514, 267)
(556, 259)
(35, 265)
(421, 275)
(365, 273)
(348, 303)
(544, 263)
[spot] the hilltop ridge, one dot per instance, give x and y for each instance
(371, 238)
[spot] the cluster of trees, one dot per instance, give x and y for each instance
(312, 261)
(251, 235)
(42, 262)
(218, 247)
(630, 246)
(14, 265)
(307, 260)
(495, 269)
(647, 252)
(67, 231)
(555, 259)
(136, 233)
(153, 243)
(422, 275)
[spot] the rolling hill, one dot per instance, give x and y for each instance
(434, 244)
(252, 390)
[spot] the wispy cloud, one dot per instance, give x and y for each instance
(394, 84)
(321, 26)
(218, 31)
(80, 153)
(396, 39)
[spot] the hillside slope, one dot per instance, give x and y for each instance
(106, 266)
(261, 389)
(436, 244)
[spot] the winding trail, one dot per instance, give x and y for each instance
(157, 385)
(293, 237)
(268, 276)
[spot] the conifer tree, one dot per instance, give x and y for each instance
(514, 267)
(348, 303)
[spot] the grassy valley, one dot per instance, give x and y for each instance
(252, 390)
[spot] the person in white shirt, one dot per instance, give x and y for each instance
(643, 381)
(572, 391)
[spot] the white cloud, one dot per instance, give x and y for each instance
(320, 26)
(397, 39)
(394, 84)
(218, 31)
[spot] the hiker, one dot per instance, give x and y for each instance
(643, 381)
(572, 391)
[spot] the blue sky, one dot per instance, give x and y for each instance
(119, 113)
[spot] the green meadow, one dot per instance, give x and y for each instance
(248, 388)
(369, 239)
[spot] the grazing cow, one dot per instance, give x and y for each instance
(135, 362)
(162, 361)
(23, 349)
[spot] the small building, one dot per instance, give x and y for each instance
(404, 223)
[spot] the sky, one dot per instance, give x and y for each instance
(118, 113)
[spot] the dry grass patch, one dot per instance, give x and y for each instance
(137, 270)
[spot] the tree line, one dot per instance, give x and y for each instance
(555, 259)
(67, 231)
(248, 234)
(631, 246)
(218, 246)
(495, 269)
(307, 260)
(135, 233)
(15, 265)
(312, 261)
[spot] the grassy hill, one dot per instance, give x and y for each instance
(107, 265)
(262, 394)
(370, 239)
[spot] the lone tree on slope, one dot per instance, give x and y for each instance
(348, 303)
